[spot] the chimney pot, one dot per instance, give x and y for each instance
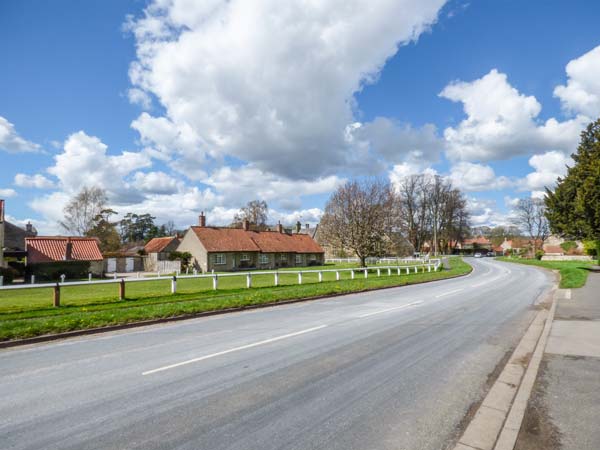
(279, 227)
(69, 250)
(298, 227)
(202, 219)
(246, 224)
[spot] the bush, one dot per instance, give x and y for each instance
(590, 248)
(568, 245)
(9, 274)
(539, 254)
(53, 271)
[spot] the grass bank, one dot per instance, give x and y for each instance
(573, 274)
(30, 315)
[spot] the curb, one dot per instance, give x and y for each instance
(497, 422)
(143, 323)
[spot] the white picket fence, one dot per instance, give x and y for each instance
(391, 260)
(429, 266)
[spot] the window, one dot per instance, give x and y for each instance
(244, 257)
(220, 258)
(264, 259)
(313, 257)
(298, 259)
(283, 257)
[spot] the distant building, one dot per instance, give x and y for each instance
(63, 253)
(12, 238)
(159, 249)
(227, 249)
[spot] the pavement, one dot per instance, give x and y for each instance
(564, 406)
(391, 369)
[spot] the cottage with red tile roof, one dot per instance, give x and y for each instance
(159, 249)
(225, 249)
(45, 251)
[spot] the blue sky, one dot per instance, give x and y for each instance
(178, 106)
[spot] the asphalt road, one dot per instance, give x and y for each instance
(390, 369)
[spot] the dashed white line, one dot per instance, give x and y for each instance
(389, 309)
(449, 293)
(231, 350)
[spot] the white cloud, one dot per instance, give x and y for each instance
(476, 177)
(548, 167)
(37, 181)
(269, 82)
(155, 183)
(485, 212)
(581, 94)
(311, 216)
(501, 122)
(7, 193)
(10, 140)
(85, 162)
(139, 97)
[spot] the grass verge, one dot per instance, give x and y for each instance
(20, 321)
(573, 274)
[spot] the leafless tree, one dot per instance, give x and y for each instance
(531, 217)
(256, 212)
(81, 212)
(361, 216)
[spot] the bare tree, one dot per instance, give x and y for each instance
(531, 216)
(361, 216)
(81, 212)
(255, 211)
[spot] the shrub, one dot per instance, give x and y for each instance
(539, 254)
(590, 248)
(568, 246)
(53, 271)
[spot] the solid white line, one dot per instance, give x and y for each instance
(231, 350)
(389, 309)
(449, 293)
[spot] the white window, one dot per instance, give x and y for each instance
(298, 259)
(244, 257)
(283, 257)
(264, 259)
(220, 258)
(313, 257)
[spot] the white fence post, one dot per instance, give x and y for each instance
(429, 268)
(90, 277)
(62, 278)
(32, 279)
(320, 276)
(1, 280)
(378, 272)
(389, 271)
(337, 275)
(276, 278)
(415, 269)
(406, 270)
(249, 280)
(174, 284)
(215, 281)
(115, 276)
(366, 273)
(352, 274)
(299, 277)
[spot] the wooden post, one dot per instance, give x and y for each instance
(174, 285)
(56, 299)
(249, 280)
(215, 282)
(122, 289)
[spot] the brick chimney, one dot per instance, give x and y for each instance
(307, 226)
(69, 250)
(279, 227)
(298, 227)
(1, 210)
(29, 227)
(246, 224)
(202, 219)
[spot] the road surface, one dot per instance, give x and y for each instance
(389, 369)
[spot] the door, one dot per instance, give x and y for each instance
(111, 265)
(128, 264)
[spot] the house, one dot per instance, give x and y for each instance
(51, 256)
(226, 249)
(159, 249)
(475, 245)
(12, 238)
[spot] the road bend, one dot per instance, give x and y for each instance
(391, 369)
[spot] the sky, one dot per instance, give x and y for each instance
(181, 106)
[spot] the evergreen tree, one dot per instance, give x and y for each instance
(574, 206)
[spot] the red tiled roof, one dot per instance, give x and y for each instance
(478, 240)
(157, 245)
(54, 248)
(239, 240)
(554, 249)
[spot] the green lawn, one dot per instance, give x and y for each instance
(28, 312)
(573, 274)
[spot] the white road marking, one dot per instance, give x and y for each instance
(390, 309)
(231, 350)
(449, 293)
(568, 294)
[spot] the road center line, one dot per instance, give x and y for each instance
(449, 293)
(389, 309)
(231, 350)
